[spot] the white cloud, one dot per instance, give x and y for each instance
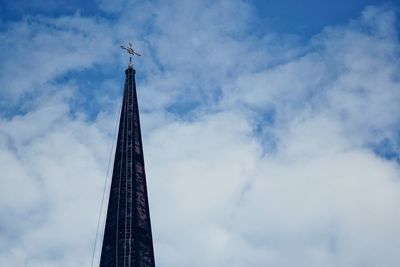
(350, 75)
(39, 49)
(218, 195)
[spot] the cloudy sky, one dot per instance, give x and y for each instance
(271, 129)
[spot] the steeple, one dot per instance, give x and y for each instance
(127, 237)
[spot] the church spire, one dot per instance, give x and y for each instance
(127, 237)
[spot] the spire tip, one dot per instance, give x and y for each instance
(131, 51)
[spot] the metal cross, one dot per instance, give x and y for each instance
(129, 49)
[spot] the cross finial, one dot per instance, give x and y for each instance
(129, 49)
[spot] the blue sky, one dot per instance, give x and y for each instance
(271, 129)
(309, 17)
(305, 17)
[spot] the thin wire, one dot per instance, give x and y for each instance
(105, 187)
